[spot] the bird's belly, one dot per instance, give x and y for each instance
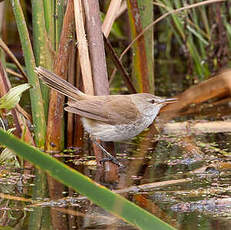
(107, 132)
(100, 130)
(131, 130)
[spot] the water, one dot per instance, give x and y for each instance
(183, 180)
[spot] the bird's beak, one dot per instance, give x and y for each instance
(168, 100)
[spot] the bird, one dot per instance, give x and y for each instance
(110, 117)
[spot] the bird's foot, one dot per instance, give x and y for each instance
(113, 160)
(109, 156)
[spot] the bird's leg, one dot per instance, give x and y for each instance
(109, 156)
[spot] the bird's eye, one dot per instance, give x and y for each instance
(152, 101)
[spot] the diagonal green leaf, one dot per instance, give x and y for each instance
(98, 194)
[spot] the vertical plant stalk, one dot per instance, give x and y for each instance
(70, 116)
(84, 58)
(59, 9)
(96, 47)
(39, 34)
(140, 67)
(43, 57)
(79, 130)
(55, 135)
(74, 126)
(146, 14)
(83, 49)
(98, 63)
(110, 17)
(2, 6)
(48, 16)
(42, 49)
(54, 140)
(37, 106)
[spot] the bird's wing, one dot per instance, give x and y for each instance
(82, 113)
(112, 109)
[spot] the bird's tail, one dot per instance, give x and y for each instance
(57, 83)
